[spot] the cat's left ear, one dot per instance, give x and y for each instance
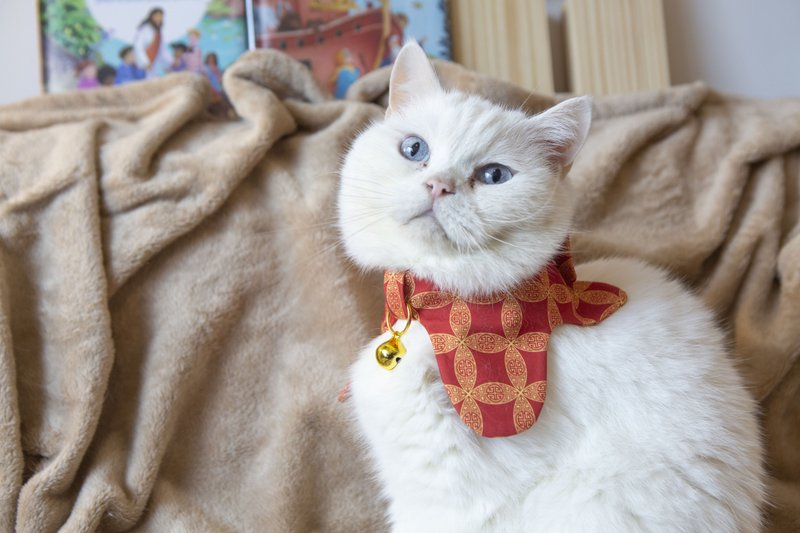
(412, 77)
(563, 129)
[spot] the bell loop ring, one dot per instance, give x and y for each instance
(408, 322)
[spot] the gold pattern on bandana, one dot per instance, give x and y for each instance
(466, 370)
(393, 289)
(431, 300)
(487, 353)
(540, 289)
(596, 297)
(486, 299)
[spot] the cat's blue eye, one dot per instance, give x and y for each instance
(494, 174)
(414, 148)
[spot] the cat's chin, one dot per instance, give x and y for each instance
(477, 272)
(422, 247)
(465, 281)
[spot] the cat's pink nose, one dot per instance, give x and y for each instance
(439, 188)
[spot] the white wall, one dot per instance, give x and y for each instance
(19, 50)
(749, 47)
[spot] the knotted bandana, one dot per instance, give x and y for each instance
(492, 351)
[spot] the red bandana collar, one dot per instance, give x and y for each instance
(492, 351)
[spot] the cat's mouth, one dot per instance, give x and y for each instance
(428, 219)
(425, 215)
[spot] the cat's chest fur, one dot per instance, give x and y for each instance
(637, 410)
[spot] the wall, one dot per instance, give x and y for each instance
(19, 50)
(747, 47)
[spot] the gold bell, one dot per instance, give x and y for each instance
(392, 351)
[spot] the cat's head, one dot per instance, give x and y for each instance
(458, 190)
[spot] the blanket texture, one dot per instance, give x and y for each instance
(177, 316)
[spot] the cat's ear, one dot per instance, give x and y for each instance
(563, 128)
(412, 76)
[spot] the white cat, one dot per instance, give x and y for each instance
(646, 427)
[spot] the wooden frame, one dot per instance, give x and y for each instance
(507, 39)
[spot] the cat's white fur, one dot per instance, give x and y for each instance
(647, 426)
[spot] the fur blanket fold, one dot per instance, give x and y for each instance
(177, 317)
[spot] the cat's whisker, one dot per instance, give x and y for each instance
(528, 217)
(367, 180)
(471, 240)
(327, 222)
(522, 105)
(365, 197)
(498, 239)
(321, 174)
(488, 235)
(363, 193)
(381, 191)
(365, 186)
(510, 221)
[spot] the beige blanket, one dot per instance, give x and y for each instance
(177, 316)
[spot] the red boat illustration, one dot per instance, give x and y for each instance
(338, 43)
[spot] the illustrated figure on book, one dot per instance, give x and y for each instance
(122, 39)
(341, 40)
(513, 390)
(151, 51)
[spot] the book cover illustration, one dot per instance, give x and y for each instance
(341, 40)
(92, 43)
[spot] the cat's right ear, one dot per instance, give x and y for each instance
(412, 76)
(562, 129)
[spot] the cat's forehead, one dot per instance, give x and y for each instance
(460, 109)
(466, 125)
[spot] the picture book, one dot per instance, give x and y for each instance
(93, 43)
